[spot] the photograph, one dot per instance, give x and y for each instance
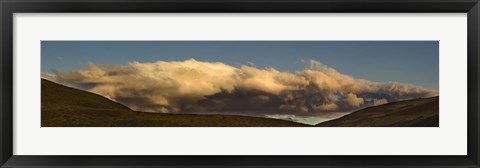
(239, 84)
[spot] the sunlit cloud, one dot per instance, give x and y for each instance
(196, 86)
(377, 102)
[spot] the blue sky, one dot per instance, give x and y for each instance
(411, 62)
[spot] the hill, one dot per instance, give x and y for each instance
(410, 113)
(68, 107)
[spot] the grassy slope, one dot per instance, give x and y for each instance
(410, 113)
(68, 107)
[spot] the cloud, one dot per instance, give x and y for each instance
(353, 100)
(196, 86)
(377, 102)
(325, 107)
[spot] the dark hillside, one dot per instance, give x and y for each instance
(410, 113)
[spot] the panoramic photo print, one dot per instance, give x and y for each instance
(240, 84)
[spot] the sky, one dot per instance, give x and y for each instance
(410, 62)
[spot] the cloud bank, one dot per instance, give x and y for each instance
(194, 86)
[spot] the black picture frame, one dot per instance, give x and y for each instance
(9, 7)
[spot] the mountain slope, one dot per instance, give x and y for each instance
(410, 113)
(68, 107)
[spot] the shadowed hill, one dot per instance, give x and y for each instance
(410, 113)
(68, 107)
